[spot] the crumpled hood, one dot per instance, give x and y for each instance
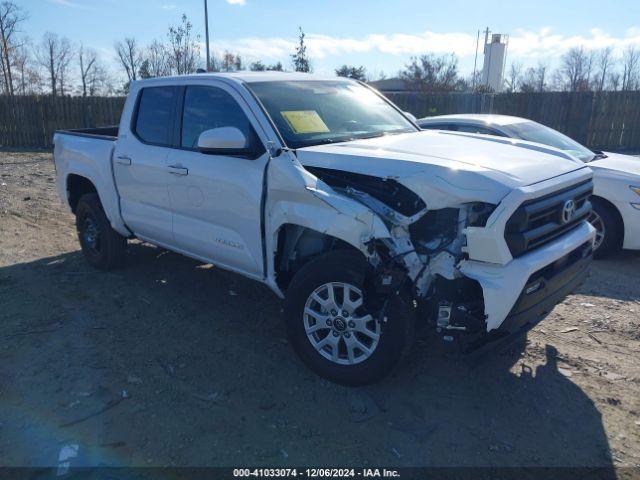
(441, 165)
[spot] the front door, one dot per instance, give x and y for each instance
(216, 199)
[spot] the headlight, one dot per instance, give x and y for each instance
(479, 213)
(635, 189)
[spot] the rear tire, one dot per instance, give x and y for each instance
(102, 246)
(609, 229)
(366, 350)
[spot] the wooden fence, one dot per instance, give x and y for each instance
(29, 121)
(609, 121)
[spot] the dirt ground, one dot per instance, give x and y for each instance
(168, 362)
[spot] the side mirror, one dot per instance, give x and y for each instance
(223, 141)
(411, 116)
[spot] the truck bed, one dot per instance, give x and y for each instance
(104, 133)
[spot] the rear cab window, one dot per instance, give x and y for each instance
(153, 122)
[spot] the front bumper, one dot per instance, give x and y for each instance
(548, 287)
(543, 291)
(502, 284)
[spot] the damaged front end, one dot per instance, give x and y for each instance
(422, 254)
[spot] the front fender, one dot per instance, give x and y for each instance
(297, 197)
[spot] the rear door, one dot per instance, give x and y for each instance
(216, 199)
(140, 164)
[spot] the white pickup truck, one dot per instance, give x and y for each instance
(333, 197)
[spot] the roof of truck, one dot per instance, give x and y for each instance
(251, 77)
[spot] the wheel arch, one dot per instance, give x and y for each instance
(613, 209)
(78, 185)
(296, 245)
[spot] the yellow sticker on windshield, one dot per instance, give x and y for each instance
(305, 121)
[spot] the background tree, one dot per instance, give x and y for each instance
(534, 79)
(54, 55)
(349, 71)
(184, 49)
(130, 57)
(604, 62)
(99, 81)
(574, 73)
(276, 67)
(614, 80)
(231, 62)
(257, 66)
(155, 61)
(11, 15)
(27, 79)
(87, 61)
(431, 73)
(513, 78)
(300, 59)
(630, 68)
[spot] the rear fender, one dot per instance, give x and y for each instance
(91, 159)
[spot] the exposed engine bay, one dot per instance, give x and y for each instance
(423, 252)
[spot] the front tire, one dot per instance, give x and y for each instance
(102, 246)
(608, 229)
(331, 328)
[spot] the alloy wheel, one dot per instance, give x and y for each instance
(338, 326)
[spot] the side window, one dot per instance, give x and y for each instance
(210, 107)
(153, 118)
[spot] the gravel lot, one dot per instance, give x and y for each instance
(171, 362)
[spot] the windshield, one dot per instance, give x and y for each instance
(534, 132)
(315, 112)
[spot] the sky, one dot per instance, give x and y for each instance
(382, 35)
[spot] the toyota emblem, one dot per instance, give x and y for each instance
(568, 211)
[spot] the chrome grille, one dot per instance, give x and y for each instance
(540, 220)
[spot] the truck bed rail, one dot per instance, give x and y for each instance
(103, 133)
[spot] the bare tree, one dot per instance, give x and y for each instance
(613, 80)
(513, 79)
(605, 63)
(11, 15)
(574, 73)
(630, 68)
(184, 49)
(300, 59)
(431, 73)
(27, 79)
(534, 79)
(130, 57)
(66, 56)
(87, 61)
(156, 61)
(99, 81)
(54, 55)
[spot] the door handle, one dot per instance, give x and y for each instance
(123, 160)
(178, 170)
